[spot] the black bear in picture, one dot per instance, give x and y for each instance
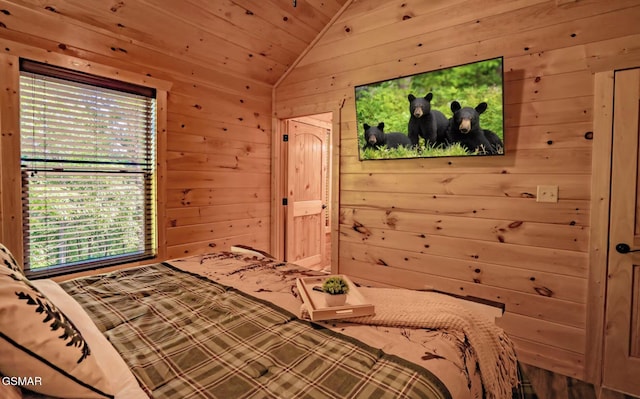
(424, 122)
(464, 128)
(375, 137)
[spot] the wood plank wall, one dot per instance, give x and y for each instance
(218, 156)
(473, 226)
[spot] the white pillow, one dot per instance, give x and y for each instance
(38, 340)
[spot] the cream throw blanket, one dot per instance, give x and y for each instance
(396, 307)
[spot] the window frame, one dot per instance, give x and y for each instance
(11, 232)
(34, 164)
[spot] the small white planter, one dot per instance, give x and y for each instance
(335, 300)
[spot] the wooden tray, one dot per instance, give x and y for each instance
(355, 306)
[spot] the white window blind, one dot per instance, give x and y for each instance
(88, 170)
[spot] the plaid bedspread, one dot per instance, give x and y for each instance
(184, 336)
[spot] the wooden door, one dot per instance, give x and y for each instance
(622, 326)
(306, 194)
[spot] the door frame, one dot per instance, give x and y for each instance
(599, 224)
(278, 185)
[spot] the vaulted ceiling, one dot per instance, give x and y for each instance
(255, 39)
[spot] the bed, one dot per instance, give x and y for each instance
(232, 325)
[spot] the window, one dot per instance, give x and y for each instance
(88, 170)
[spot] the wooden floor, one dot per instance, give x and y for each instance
(327, 257)
(549, 385)
(326, 261)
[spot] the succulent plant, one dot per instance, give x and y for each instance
(335, 286)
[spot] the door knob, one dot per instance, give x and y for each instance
(625, 248)
(324, 206)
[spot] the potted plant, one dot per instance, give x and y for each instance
(336, 289)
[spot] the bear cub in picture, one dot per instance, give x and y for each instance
(424, 122)
(375, 137)
(464, 128)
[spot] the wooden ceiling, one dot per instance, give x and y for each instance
(254, 39)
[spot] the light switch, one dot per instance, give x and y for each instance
(547, 194)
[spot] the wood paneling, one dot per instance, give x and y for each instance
(454, 180)
(255, 39)
(544, 235)
(574, 212)
(546, 284)
(472, 225)
(570, 263)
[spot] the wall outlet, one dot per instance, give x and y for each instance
(547, 194)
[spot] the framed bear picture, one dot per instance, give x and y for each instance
(456, 111)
